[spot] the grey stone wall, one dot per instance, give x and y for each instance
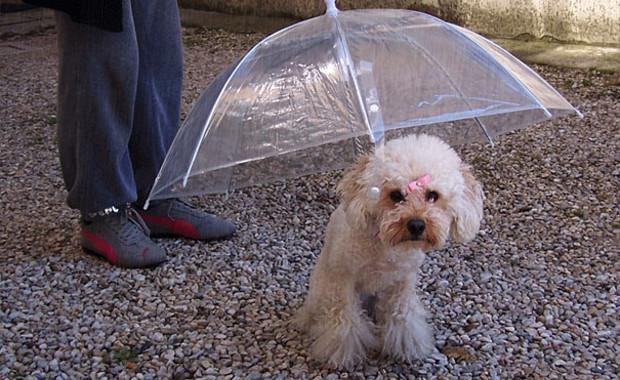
(588, 21)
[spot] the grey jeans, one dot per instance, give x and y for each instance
(118, 103)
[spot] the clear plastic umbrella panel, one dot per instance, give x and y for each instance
(313, 96)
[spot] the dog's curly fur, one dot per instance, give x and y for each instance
(370, 250)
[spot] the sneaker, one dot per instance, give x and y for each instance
(122, 238)
(173, 217)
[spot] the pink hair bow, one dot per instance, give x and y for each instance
(421, 181)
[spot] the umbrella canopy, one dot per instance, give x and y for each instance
(312, 96)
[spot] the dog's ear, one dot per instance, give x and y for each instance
(467, 208)
(352, 190)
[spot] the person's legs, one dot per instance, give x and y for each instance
(98, 75)
(158, 97)
(157, 114)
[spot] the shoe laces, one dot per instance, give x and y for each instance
(132, 227)
(180, 204)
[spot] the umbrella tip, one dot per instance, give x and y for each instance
(581, 115)
(331, 7)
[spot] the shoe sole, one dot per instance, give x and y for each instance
(103, 258)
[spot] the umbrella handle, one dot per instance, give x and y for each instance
(331, 7)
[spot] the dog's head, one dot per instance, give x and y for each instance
(414, 191)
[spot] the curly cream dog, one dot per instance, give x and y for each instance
(407, 198)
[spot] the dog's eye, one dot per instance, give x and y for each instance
(396, 196)
(432, 196)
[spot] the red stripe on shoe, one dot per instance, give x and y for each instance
(174, 226)
(103, 247)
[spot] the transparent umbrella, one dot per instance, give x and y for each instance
(312, 96)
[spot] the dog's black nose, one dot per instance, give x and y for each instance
(416, 227)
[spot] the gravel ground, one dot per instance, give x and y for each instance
(534, 296)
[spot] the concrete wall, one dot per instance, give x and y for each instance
(589, 21)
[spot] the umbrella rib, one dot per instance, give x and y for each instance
(509, 72)
(205, 129)
(456, 88)
(351, 69)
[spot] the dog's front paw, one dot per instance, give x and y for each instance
(344, 344)
(408, 338)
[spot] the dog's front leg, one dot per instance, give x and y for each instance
(340, 329)
(402, 319)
